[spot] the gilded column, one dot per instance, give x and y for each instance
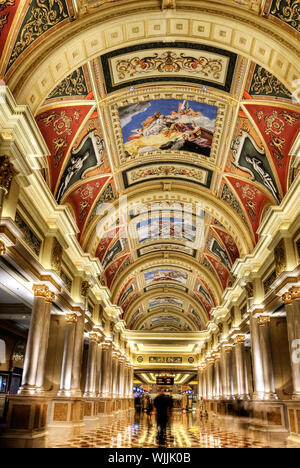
(257, 360)
(67, 362)
(77, 357)
(90, 387)
(292, 307)
(264, 334)
(34, 341)
(239, 350)
(44, 342)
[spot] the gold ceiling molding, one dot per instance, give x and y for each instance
(88, 38)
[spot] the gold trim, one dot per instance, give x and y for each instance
(263, 319)
(71, 318)
(2, 248)
(40, 290)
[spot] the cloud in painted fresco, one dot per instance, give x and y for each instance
(127, 113)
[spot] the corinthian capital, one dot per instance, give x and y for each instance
(2, 248)
(7, 172)
(40, 290)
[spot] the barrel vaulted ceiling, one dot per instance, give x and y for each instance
(168, 150)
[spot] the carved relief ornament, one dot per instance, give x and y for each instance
(291, 295)
(7, 172)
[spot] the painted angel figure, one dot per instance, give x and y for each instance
(256, 163)
(74, 168)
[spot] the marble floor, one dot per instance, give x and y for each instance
(131, 430)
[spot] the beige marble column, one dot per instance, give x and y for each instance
(257, 361)
(77, 357)
(217, 377)
(67, 362)
(239, 350)
(130, 381)
(115, 374)
(204, 381)
(126, 387)
(121, 385)
(44, 343)
(90, 387)
(200, 382)
(267, 361)
(34, 341)
(106, 366)
(227, 372)
(210, 378)
(99, 370)
(292, 307)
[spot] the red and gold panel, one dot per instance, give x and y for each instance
(229, 243)
(222, 273)
(115, 268)
(82, 199)
(59, 126)
(279, 126)
(253, 199)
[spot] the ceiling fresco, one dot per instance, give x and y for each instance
(197, 139)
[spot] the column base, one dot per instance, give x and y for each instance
(26, 422)
(91, 409)
(105, 406)
(66, 412)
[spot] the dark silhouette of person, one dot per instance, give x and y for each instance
(163, 404)
(138, 404)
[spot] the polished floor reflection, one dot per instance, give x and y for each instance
(131, 430)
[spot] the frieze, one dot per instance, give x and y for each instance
(28, 236)
(187, 172)
(165, 360)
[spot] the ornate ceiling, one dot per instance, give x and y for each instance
(167, 152)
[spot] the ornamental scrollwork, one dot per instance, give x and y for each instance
(40, 17)
(265, 83)
(73, 85)
(288, 11)
(170, 62)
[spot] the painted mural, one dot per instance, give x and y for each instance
(166, 228)
(165, 275)
(168, 124)
(165, 301)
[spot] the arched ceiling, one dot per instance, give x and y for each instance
(168, 149)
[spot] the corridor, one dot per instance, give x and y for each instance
(131, 430)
